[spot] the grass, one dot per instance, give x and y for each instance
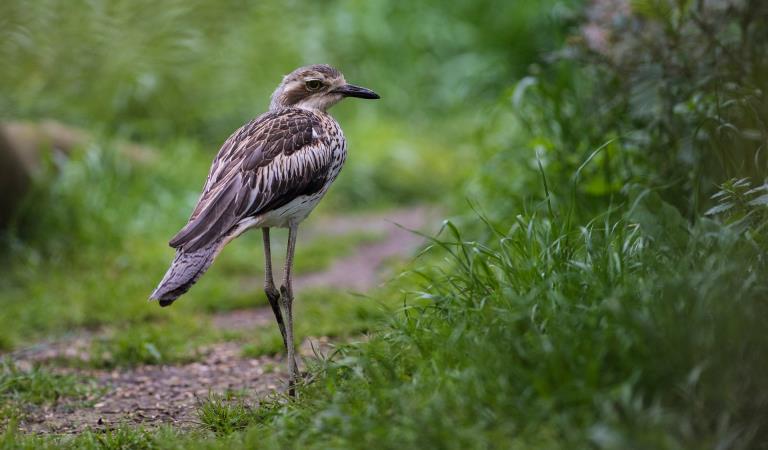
(38, 385)
(178, 337)
(173, 341)
(546, 332)
(111, 257)
(225, 414)
(265, 342)
(595, 305)
(548, 335)
(113, 439)
(126, 248)
(543, 333)
(324, 313)
(594, 336)
(21, 390)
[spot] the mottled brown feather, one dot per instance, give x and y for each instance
(246, 180)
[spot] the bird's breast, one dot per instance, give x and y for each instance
(330, 139)
(334, 141)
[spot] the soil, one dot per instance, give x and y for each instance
(154, 395)
(169, 394)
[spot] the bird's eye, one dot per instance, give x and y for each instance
(313, 85)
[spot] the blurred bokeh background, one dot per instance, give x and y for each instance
(603, 163)
(113, 110)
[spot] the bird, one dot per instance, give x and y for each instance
(270, 173)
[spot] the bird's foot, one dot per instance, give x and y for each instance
(293, 383)
(295, 377)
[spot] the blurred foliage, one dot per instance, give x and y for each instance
(692, 74)
(593, 303)
(89, 241)
(21, 388)
(199, 67)
(38, 386)
(139, 67)
(556, 336)
(440, 58)
(160, 72)
(666, 94)
(605, 289)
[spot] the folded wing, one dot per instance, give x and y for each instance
(264, 165)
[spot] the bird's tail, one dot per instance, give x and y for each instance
(186, 269)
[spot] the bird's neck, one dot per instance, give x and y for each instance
(275, 108)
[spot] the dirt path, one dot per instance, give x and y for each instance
(152, 395)
(358, 272)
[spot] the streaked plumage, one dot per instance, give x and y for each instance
(276, 159)
(271, 172)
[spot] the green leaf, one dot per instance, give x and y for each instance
(657, 219)
(718, 209)
(153, 351)
(762, 200)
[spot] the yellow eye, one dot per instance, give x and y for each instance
(313, 85)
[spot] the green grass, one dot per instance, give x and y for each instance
(21, 390)
(545, 332)
(324, 313)
(265, 342)
(106, 268)
(545, 335)
(555, 336)
(178, 337)
(165, 342)
(594, 305)
(114, 439)
(225, 414)
(91, 241)
(38, 385)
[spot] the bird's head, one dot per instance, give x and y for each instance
(316, 87)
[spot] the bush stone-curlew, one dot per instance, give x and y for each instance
(271, 172)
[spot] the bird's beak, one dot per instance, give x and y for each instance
(350, 90)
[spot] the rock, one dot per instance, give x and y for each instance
(15, 178)
(25, 145)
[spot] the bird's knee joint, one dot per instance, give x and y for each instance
(272, 293)
(286, 293)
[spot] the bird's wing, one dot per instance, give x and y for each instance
(262, 166)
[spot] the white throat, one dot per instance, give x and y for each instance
(319, 102)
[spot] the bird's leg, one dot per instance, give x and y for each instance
(273, 295)
(286, 299)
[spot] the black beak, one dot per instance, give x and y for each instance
(350, 90)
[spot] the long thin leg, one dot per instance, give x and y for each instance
(286, 298)
(269, 286)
